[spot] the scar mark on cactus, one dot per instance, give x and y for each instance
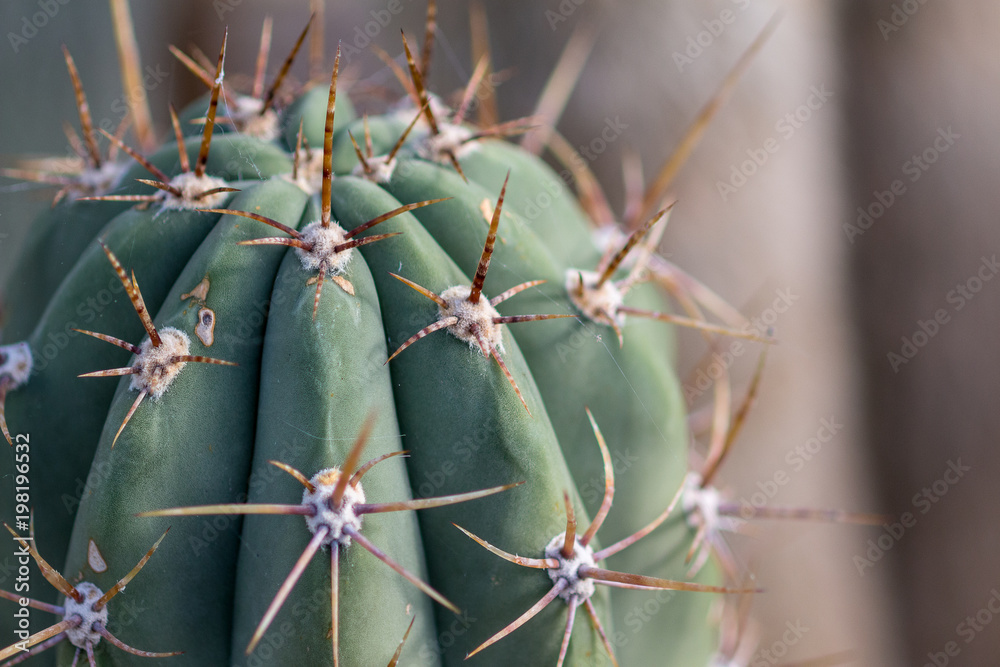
(84, 615)
(334, 506)
(190, 188)
(705, 507)
(94, 557)
(89, 173)
(159, 358)
(205, 329)
(253, 114)
(571, 564)
(15, 369)
(468, 317)
(323, 245)
(200, 291)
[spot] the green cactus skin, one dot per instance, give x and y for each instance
(305, 384)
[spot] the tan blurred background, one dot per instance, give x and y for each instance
(885, 81)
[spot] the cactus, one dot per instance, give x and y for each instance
(259, 355)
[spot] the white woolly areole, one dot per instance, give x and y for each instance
(101, 180)
(600, 304)
(382, 169)
(157, 368)
(454, 139)
(322, 242)
(247, 118)
(310, 172)
(84, 633)
(405, 110)
(191, 187)
(334, 519)
(701, 505)
(475, 324)
(577, 588)
(15, 363)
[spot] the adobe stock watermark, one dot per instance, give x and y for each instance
(968, 630)
(720, 362)
(773, 654)
(958, 298)
(901, 13)
(563, 11)
(912, 170)
(786, 127)
(30, 25)
(796, 458)
(696, 44)
(922, 502)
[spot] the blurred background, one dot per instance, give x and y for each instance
(847, 195)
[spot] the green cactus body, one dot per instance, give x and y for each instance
(202, 456)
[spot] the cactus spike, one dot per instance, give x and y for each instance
(724, 432)
(642, 582)
(165, 187)
(299, 477)
(286, 587)
(398, 72)
(213, 105)
(491, 239)
(592, 198)
(596, 623)
(692, 136)
(319, 279)
(430, 27)
(391, 214)
(804, 514)
(508, 129)
(514, 319)
(523, 618)
(129, 63)
(402, 138)
(369, 148)
(123, 582)
(517, 289)
(470, 90)
(399, 649)
(353, 457)
(365, 241)
(259, 218)
(418, 86)
(34, 604)
(699, 325)
(276, 240)
(4, 385)
(335, 604)
(510, 378)
(362, 160)
(569, 537)
(356, 477)
(423, 290)
(609, 483)
(86, 124)
(480, 33)
(128, 416)
(609, 551)
(328, 142)
(182, 154)
(119, 134)
(103, 631)
(285, 66)
(75, 143)
(536, 563)
(50, 573)
(611, 264)
(381, 555)
(46, 638)
(135, 155)
(134, 349)
(561, 83)
(564, 646)
(263, 52)
(232, 508)
(429, 329)
(197, 358)
(192, 66)
(430, 503)
(113, 372)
